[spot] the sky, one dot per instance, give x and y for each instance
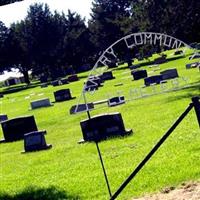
(17, 11)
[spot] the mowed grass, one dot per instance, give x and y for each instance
(73, 171)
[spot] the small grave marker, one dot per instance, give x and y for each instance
(40, 103)
(35, 141)
(114, 101)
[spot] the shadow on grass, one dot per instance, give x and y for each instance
(18, 88)
(192, 91)
(32, 193)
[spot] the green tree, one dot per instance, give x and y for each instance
(5, 2)
(110, 20)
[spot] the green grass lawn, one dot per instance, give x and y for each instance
(72, 171)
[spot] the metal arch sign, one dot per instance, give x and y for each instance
(130, 41)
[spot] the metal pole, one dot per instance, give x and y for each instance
(104, 171)
(196, 104)
(99, 152)
(151, 153)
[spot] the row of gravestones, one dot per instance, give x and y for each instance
(156, 79)
(63, 81)
(96, 128)
(24, 128)
(94, 82)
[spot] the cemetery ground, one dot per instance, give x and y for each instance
(72, 171)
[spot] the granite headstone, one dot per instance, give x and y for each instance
(139, 74)
(103, 126)
(40, 103)
(169, 74)
(153, 80)
(35, 141)
(62, 95)
(14, 129)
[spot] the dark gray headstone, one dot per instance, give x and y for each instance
(62, 95)
(72, 78)
(101, 127)
(140, 74)
(153, 80)
(160, 60)
(107, 76)
(178, 52)
(35, 141)
(1, 95)
(3, 117)
(116, 101)
(81, 108)
(14, 129)
(169, 73)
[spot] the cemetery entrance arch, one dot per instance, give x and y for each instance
(130, 41)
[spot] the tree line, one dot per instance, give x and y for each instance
(53, 44)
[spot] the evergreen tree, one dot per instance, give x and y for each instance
(5, 2)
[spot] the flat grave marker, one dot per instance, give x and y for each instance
(40, 103)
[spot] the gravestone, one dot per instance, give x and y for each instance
(153, 80)
(55, 83)
(134, 66)
(178, 52)
(160, 60)
(81, 108)
(64, 81)
(72, 78)
(62, 95)
(3, 117)
(169, 74)
(139, 74)
(40, 103)
(114, 101)
(192, 65)
(1, 95)
(103, 126)
(107, 76)
(35, 141)
(14, 129)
